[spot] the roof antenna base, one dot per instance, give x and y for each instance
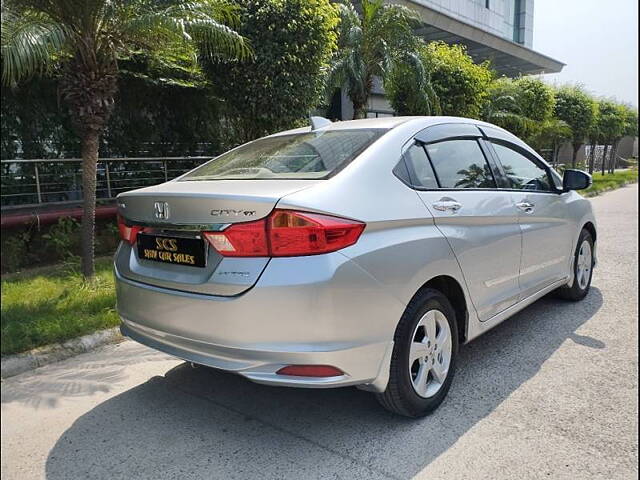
(319, 122)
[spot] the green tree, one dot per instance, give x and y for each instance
(535, 98)
(551, 133)
(629, 128)
(594, 135)
(503, 108)
(521, 106)
(611, 124)
(575, 107)
(293, 42)
(460, 84)
(369, 45)
(84, 41)
(452, 85)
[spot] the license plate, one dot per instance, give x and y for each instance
(175, 250)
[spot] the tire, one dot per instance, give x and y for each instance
(401, 396)
(580, 287)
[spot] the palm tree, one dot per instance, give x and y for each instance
(83, 41)
(369, 45)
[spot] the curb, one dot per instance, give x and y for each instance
(22, 362)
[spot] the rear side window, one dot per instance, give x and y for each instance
(460, 164)
(420, 167)
(522, 173)
(309, 155)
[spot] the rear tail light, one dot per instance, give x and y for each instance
(128, 233)
(241, 240)
(286, 233)
(310, 371)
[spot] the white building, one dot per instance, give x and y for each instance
(497, 30)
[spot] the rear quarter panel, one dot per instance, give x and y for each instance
(401, 247)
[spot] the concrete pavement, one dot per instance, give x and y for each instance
(550, 393)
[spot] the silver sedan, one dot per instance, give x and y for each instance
(353, 253)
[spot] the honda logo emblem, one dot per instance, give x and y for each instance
(161, 210)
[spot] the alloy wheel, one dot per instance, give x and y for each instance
(584, 265)
(430, 353)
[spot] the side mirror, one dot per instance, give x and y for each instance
(576, 180)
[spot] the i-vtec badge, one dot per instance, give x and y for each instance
(161, 210)
(228, 212)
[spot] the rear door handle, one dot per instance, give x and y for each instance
(525, 206)
(447, 205)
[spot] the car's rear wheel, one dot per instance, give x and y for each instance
(424, 356)
(582, 269)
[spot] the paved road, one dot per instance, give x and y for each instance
(550, 393)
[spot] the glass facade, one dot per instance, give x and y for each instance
(510, 19)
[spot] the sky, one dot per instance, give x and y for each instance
(598, 41)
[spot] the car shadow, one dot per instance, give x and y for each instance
(202, 423)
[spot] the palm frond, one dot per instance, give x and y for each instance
(208, 23)
(29, 43)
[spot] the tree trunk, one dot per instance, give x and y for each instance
(574, 156)
(613, 160)
(592, 157)
(604, 159)
(359, 110)
(89, 91)
(90, 144)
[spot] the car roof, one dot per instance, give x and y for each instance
(388, 123)
(381, 122)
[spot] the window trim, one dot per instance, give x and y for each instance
(473, 133)
(518, 149)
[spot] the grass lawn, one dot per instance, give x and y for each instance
(602, 183)
(53, 304)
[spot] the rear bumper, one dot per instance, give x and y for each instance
(321, 310)
(261, 366)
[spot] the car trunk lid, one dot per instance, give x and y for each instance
(184, 209)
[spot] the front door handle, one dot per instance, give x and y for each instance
(447, 205)
(525, 206)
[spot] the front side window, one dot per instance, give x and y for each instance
(522, 173)
(310, 155)
(460, 164)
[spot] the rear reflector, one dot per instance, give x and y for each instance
(128, 233)
(286, 233)
(310, 371)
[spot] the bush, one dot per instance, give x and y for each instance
(293, 41)
(63, 238)
(15, 251)
(33, 245)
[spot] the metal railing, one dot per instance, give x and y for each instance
(37, 182)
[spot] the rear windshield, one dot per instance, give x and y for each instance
(311, 155)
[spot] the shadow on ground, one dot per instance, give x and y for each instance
(201, 423)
